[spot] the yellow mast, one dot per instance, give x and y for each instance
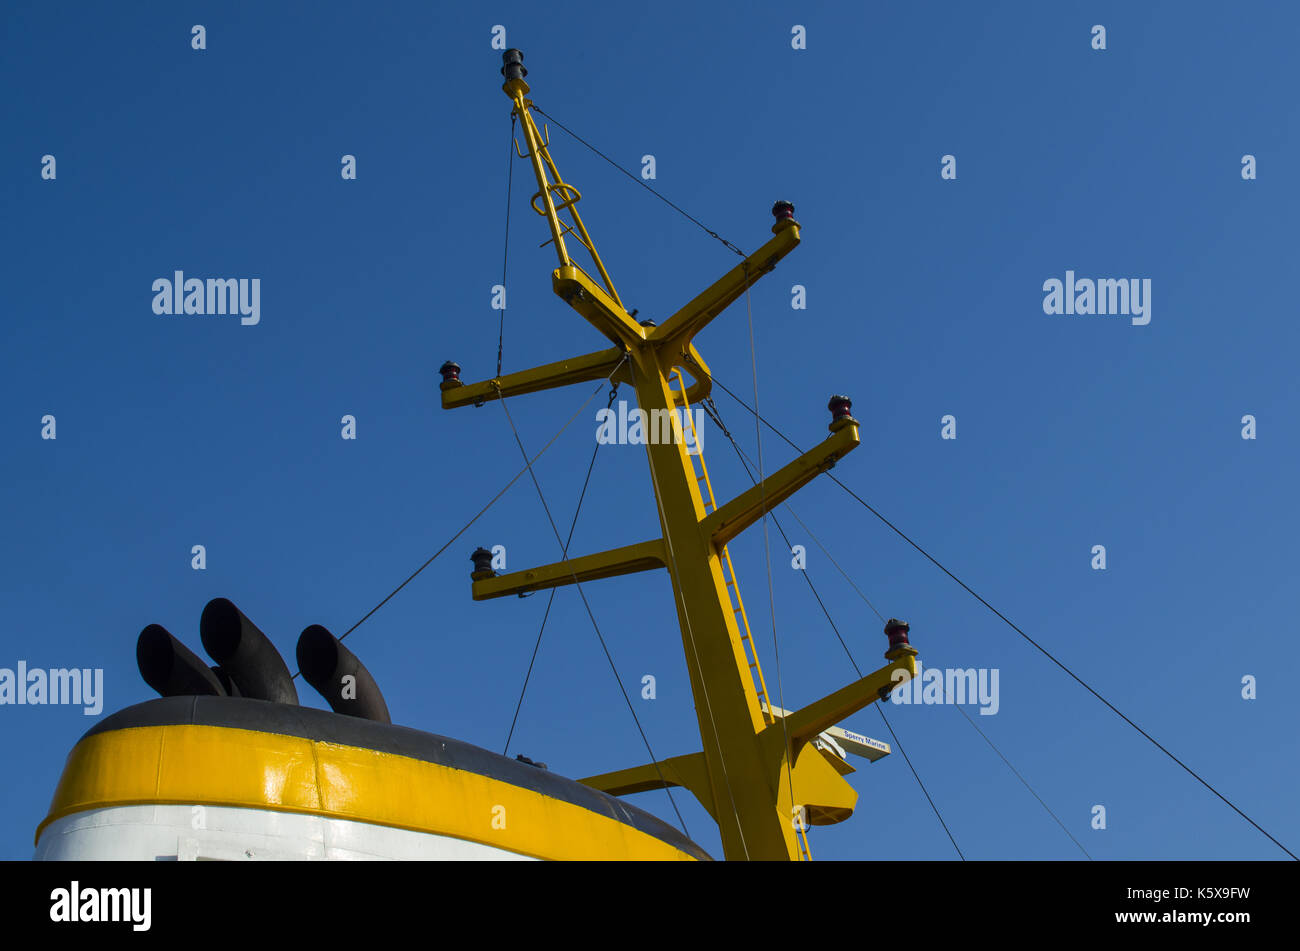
(751, 759)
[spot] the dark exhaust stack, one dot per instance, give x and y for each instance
(231, 688)
(171, 668)
(326, 664)
(246, 655)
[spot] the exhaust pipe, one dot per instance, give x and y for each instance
(245, 653)
(171, 668)
(339, 676)
(231, 688)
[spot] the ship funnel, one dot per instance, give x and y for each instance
(245, 654)
(171, 668)
(339, 676)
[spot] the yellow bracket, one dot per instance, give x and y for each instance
(748, 507)
(677, 330)
(589, 366)
(802, 725)
(645, 556)
(690, 772)
(581, 293)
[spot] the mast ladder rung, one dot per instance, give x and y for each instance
(570, 233)
(569, 196)
(728, 569)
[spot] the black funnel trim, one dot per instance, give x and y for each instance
(245, 653)
(325, 663)
(171, 668)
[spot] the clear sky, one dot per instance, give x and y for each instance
(924, 299)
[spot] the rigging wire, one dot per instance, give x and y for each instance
(831, 559)
(640, 181)
(601, 637)
(518, 475)
(767, 548)
(551, 600)
(969, 720)
(889, 726)
(1046, 653)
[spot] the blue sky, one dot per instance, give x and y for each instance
(924, 299)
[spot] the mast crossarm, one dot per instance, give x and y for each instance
(802, 725)
(644, 556)
(678, 329)
(589, 366)
(747, 508)
(689, 772)
(581, 293)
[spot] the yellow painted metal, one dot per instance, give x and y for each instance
(539, 151)
(747, 508)
(580, 292)
(690, 772)
(804, 724)
(729, 573)
(695, 316)
(590, 366)
(754, 775)
(849, 742)
(645, 556)
(225, 766)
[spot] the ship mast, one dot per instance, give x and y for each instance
(759, 774)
